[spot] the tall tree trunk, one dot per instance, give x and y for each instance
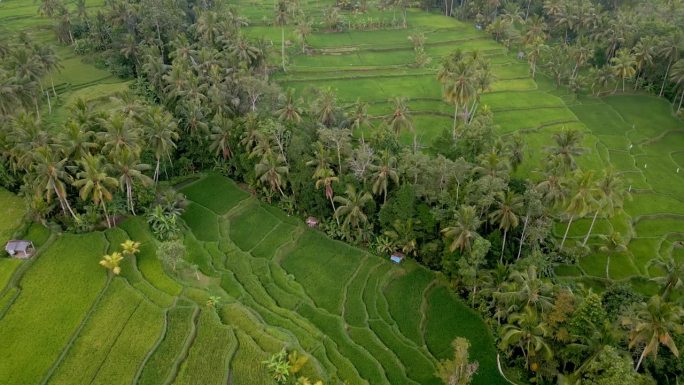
(566, 232)
(453, 130)
(332, 202)
(282, 46)
(62, 200)
(104, 208)
(129, 192)
(591, 227)
(681, 98)
(527, 10)
(47, 93)
(52, 83)
(667, 72)
(156, 171)
(503, 246)
(641, 358)
(607, 266)
(522, 236)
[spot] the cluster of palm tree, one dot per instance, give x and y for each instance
(95, 156)
(589, 45)
(464, 77)
(24, 67)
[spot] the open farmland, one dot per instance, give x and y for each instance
(359, 318)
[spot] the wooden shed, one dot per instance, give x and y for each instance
(20, 249)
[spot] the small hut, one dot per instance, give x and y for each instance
(312, 222)
(20, 249)
(397, 257)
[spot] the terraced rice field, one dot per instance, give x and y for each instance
(635, 134)
(358, 317)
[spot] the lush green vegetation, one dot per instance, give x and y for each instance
(516, 146)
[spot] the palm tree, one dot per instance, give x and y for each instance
(160, 134)
(612, 244)
(325, 176)
(130, 247)
(112, 261)
(50, 61)
(610, 195)
(272, 170)
(654, 324)
(673, 270)
(120, 135)
(280, 19)
(324, 106)
(527, 290)
(644, 51)
(458, 83)
(528, 332)
(221, 133)
(623, 66)
(51, 177)
(384, 172)
(75, 142)
(352, 207)
(568, 142)
(94, 183)
(129, 169)
(303, 30)
(583, 198)
(509, 204)
(669, 50)
(677, 76)
(401, 118)
(464, 231)
(403, 235)
(290, 112)
(359, 115)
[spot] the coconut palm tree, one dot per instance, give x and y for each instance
(623, 66)
(75, 142)
(669, 50)
(458, 83)
(51, 177)
(112, 262)
(325, 176)
(280, 18)
(221, 132)
(129, 169)
(673, 270)
(120, 135)
(303, 30)
(644, 51)
(352, 207)
(271, 170)
(383, 172)
(528, 332)
(567, 147)
(94, 183)
(358, 116)
(464, 230)
(401, 118)
(654, 323)
(160, 134)
(130, 247)
(290, 111)
(527, 290)
(677, 77)
(508, 206)
(583, 198)
(610, 195)
(324, 106)
(403, 235)
(612, 244)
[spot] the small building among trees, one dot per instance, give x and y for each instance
(397, 257)
(312, 222)
(20, 249)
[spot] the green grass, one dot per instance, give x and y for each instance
(7, 268)
(207, 361)
(12, 215)
(216, 193)
(447, 319)
(162, 362)
(404, 297)
(62, 283)
(202, 221)
(251, 225)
